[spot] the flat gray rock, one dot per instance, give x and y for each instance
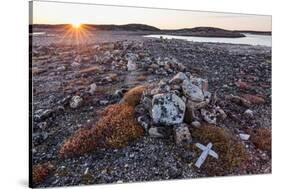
(192, 91)
(179, 78)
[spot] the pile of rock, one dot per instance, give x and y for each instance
(172, 106)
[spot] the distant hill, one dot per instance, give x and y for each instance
(197, 31)
(205, 32)
(126, 27)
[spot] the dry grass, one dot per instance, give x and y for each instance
(115, 129)
(231, 152)
(37, 71)
(141, 78)
(94, 69)
(253, 99)
(133, 96)
(261, 138)
(119, 126)
(82, 141)
(40, 172)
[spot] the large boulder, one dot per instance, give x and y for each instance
(167, 109)
(192, 91)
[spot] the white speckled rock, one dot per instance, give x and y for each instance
(167, 109)
(209, 117)
(75, 102)
(192, 91)
(182, 134)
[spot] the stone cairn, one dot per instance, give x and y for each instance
(173, 106)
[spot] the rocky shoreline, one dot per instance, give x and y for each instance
(73, 84)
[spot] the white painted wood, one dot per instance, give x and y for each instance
(206, 151)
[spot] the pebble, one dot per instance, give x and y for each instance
(156, 132)
(196, 124)
(93, 88)
(75, 102)
(249, 113)
(244, 136)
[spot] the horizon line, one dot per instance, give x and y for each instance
(57, 24)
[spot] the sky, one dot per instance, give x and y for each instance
(69, 13)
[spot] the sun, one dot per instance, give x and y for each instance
(76, 25)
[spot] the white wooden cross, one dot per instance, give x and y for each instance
(206, 151)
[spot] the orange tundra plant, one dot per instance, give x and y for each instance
(115, 129)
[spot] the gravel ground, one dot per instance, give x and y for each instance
(56, 79)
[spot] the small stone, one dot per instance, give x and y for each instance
(244, 136)
(196, 124)
(75, 101)
(192, 91)
(249, 113)
(61, 68)
(182, 134)
(119, 182)
(220, 112)
(157, 132)
(131, 66)
(178, 79)
(42, 114)
(86, 171)
(147, 103)
(144, 122)
(103, 102)
(208, 116)
(201, 83)
(93, 88)
(42, 125)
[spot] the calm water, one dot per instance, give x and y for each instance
(39, 33)
(250, 39)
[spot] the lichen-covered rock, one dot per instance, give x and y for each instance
(182, 134)
(167, 109)
(192, 91)
(201, 83)
(209, 117)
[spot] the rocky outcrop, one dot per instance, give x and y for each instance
(177, 104)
